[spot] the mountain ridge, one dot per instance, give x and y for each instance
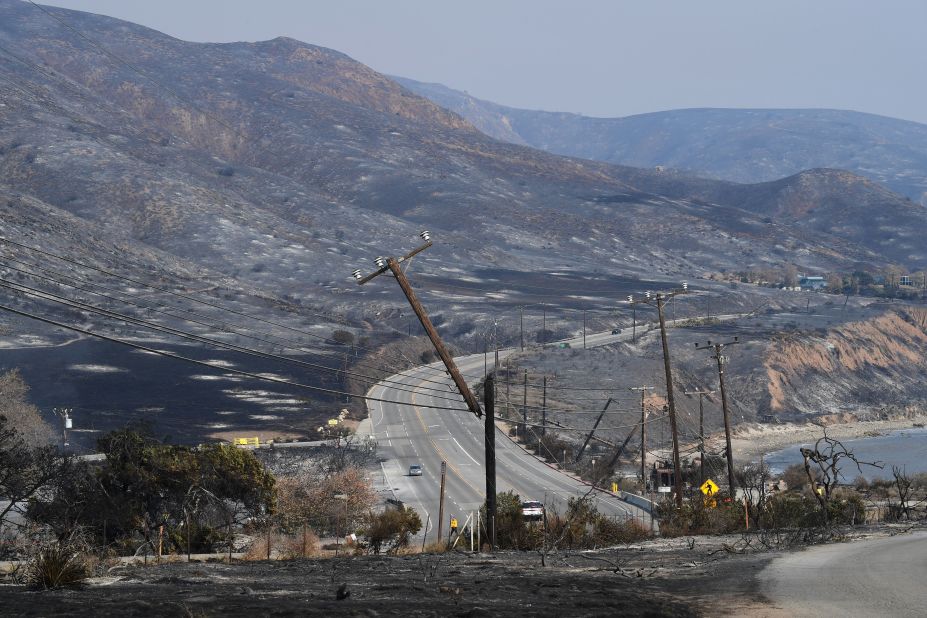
(739, 145)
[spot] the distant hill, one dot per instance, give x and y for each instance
(740, 145)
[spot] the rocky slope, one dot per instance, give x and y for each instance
(259, 175)
(741, 145)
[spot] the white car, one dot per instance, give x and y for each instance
(415, 470)
(532, 510)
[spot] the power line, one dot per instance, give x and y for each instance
(206, 339)
(210, 365)
(181, 295)
(166, 329)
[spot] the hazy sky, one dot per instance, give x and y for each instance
(598, 57)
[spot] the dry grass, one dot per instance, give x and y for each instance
(302, 545)
(56, 566)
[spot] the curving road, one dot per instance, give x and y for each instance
(875, 577)
(408, 434)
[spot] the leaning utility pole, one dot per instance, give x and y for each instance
(643, 390)
(701, 432)
(392, 265)
(719, 356)
(661, 299)
(594, 426)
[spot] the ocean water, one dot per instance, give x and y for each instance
(906, 448)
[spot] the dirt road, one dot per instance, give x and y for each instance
(876, 577)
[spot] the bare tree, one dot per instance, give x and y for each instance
(903, 485)
(824, 461)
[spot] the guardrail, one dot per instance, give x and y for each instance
(639, 501)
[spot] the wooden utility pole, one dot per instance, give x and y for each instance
(701, 432)
(633, 319)
(584, 329)
(670, 399)
(643, 390)
(544, 327)
(441, 502)
(524, 408)
(594, 426)
(393, 265)
(490, 449)
(544, 409)
(719, 356)
(522, 323)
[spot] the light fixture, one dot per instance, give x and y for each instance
(380, 261)
(426, 235)
(647, 294)
(357, 274)
(630, 298)
(685, 285)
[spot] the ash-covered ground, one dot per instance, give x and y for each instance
(678, 577)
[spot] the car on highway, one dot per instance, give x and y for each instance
(415, 470)
(563, 345)
(616, 331)
(532, 510)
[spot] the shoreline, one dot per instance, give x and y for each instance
(750, 441)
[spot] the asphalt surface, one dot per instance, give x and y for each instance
(876, 577)
(410, 434)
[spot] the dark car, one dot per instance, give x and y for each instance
(616, 331)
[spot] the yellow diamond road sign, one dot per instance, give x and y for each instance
(709, 487)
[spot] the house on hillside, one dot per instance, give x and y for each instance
(812, 283)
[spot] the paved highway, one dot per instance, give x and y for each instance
(408, 434)
(876, 577)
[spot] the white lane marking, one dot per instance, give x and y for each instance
(465, 451)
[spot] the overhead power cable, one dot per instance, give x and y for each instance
(194, 361)
(188, 297)
(192, 337)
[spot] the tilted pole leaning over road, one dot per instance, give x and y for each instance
(392, 264)
(719, 356)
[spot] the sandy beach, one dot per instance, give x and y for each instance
(752, 440)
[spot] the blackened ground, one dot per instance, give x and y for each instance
(658, 578)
